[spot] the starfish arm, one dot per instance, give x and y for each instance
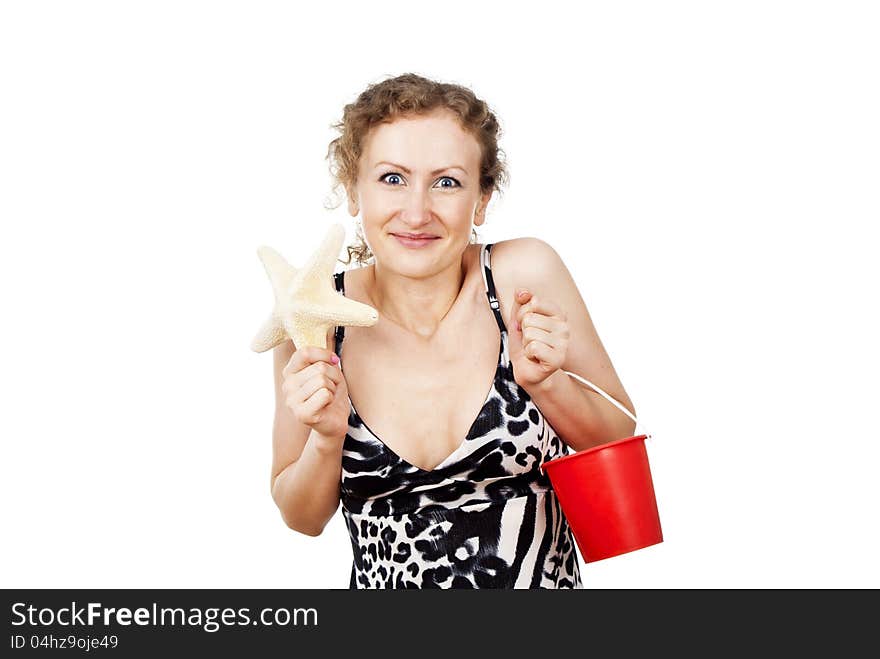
(323, 261)
(271, 334)
(337, 309)
(308, 333)
(311, 321)
(280, 272)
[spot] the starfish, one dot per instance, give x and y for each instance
(306, 303)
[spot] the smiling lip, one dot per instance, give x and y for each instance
(411, 241)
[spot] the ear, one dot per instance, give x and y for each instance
(353, 206)
(480, 215)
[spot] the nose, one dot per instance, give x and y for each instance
(417, 211)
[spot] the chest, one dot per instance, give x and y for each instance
(421, 402)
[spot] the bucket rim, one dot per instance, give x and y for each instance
(592, 449)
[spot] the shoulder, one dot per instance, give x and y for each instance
(523, 245)
(529, 261)
(532, 264)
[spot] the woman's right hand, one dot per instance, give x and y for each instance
(316, 392)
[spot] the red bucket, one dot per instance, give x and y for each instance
(607, 495)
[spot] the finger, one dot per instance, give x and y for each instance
(296, 378)
(321, 397)
(313, 360)
(305, 395)
(541, 321)
(308, 355)
(520, 297)
(542, 335)
(297, 362)
(541, 353)
(524, 296)
(315, 384)
(542, 306)
(325, 369)
(316, 402)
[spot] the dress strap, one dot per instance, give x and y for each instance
(339, 281)
(490, 285)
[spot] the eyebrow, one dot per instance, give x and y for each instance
(436, 171)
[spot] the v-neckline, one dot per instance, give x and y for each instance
(443, 463)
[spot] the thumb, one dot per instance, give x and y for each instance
(520, 297)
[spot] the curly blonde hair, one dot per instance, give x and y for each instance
(410, 94)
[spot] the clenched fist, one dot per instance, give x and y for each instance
(316, 392)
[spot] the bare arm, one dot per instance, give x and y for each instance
(306, 466)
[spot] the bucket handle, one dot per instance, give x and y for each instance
(611, 400)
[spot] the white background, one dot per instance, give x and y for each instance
(708, 172)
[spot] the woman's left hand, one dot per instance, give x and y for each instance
(538, 339)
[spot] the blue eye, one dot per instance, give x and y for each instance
(457, 184)
(395, 174)
(382, 178)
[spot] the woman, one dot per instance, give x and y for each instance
(440, 483)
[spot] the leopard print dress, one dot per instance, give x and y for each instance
(485, 517)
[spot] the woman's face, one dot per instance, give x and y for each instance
(419, 175)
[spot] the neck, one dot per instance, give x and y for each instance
(417, 305)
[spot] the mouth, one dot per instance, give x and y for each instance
(414, 240)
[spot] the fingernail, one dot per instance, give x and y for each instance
(334, 359)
